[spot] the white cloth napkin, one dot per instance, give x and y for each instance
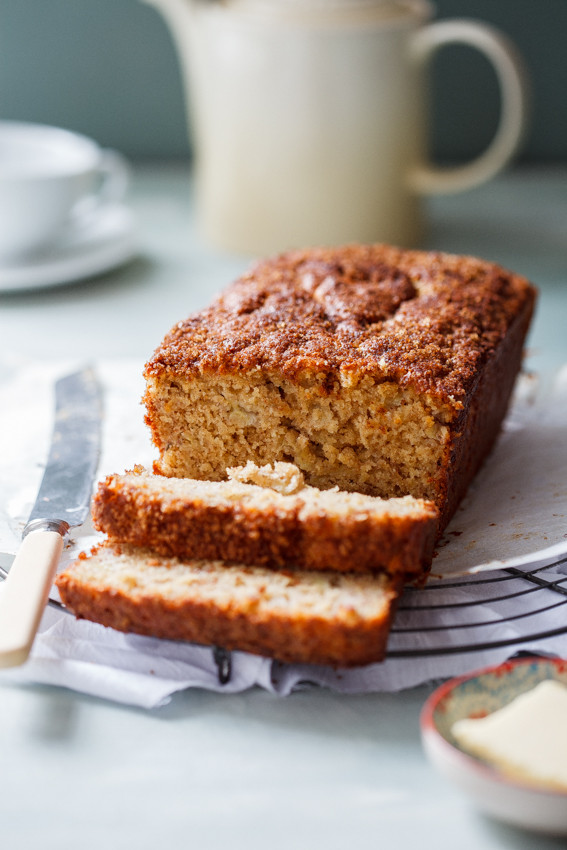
(513, 516)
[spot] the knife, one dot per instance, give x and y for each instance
(62, 503)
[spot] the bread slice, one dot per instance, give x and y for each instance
(374, 369)
(295, 616)
(267, 516)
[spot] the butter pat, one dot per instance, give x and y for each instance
(527, 739)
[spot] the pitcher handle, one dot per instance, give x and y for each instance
(428, 179)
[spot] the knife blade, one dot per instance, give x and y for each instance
(62, 503)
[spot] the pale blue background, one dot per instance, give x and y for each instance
(108, 68)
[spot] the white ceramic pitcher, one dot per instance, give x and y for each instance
(309, 118)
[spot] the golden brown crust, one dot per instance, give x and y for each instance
(295, 637)
(475, 432)
(429, 321)
(273, 535)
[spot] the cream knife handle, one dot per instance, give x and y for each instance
(25, 592)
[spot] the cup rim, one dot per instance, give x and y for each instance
(83, 151)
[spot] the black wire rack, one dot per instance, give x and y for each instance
(480, 612)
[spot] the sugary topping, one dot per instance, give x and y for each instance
(424, 320)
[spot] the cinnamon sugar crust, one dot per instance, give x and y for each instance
(428, 321)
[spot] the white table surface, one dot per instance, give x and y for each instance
(314, 770)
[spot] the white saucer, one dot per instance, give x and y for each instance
(102, 243)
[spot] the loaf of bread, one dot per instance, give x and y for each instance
(290, 615)
(367, 369)
(267, 516)
(373, 369)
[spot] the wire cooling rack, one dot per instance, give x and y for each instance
(470, 613)
(481, 612)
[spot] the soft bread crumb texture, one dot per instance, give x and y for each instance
(259, 524)
(373, 438)
(296, 616)
(373, 369)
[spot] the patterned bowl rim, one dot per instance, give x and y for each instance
(430, 729)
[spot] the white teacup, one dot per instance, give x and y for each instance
(50, 179)
(309, 117)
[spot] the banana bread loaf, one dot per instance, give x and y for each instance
(295, 615)
(267, 516)
(374, 369)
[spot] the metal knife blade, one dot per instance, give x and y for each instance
(65, 490)
(62, 502)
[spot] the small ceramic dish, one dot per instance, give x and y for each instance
(530, 806)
